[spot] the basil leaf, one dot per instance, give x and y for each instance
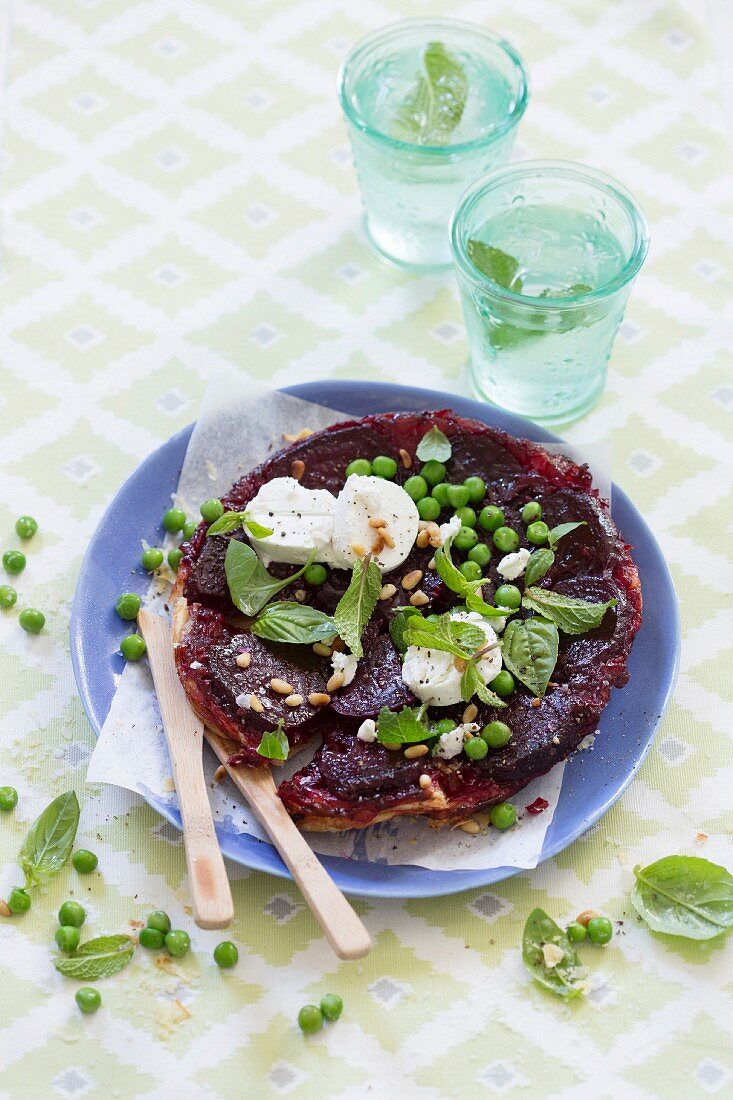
(49, 840)
(255, 528)
(356, 606)
(572, 616)
(435, 107)
(403, 727)
(475, 603)
(98, 958)
(398, 626)
(445, 635)
(540, 562)
(684, 896)
(294, 623)
(561, 531)
(498, 266)
(529, 651)
(250, 585)
(564, 978)
(435, 446)
(231, 521)
(274, 744)
(472, 683)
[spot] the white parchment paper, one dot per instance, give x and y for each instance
(239, 425)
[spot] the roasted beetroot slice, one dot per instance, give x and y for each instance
(378, 683)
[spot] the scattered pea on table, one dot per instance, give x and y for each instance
(503, 815)
(332, 1006)
(8, 596)
(84, 861)
(600, 930)
(133, 647)
(8, 799)
(31, 620)
(226, 955)
(19, 900)
(174, 520)
(127, 606)
(178, 943)
(71, 913)
(159, 920)
(151, 939)
(67, 938)
(26, 527)
(174, 558)
(13, 561)
(310, 1019)
(88, 999)
(151, 559)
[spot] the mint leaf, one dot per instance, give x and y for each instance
(540, 562)
(564, 978)
(472, 683)
(561, 531)
(684, 896)
(49, 840)
(274, 744)
(529, 651)
(98, 958)
(567, 291)
(445, 635)
(571, 615)
(398, 625)
(449, 573)
(403, 727)
(250, 585)
(498, 266)
(435, 446)
(356, 606)
(293, 623)
(232, 521)
(435, 107)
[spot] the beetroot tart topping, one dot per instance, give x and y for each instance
(443, 608)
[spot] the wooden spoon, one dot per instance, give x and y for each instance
(210, 892)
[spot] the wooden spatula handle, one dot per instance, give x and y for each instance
(210, 892)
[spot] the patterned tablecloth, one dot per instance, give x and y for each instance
(178, 195)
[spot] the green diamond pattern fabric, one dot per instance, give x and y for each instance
(178, 196)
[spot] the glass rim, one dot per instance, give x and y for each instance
(567, 169)
(357, 119)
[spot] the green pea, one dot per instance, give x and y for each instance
(465, 539)
(538, 533)
(159, 920)
(26, 527)
(151, 939)
(481, 554)
(458, 496)
(174, 520)
(600, 930)
(576, 933)
(211, 510)
(476, 748)
(226, 955)
(8, 596)
(416, 487)
(14, 561)
(505, 539)
(503, 815)
(471, 570)
(174, 558)
(8, 799)
(384, 466)
(88, 999)
(31, 620)
(151, 559)
(496, 734)
(508, 595)
(440, 492)
(19, 900)
(467, 516)
(67, 938)
(360, 466)
(503, 684)
(444, 725)
(133, 647)
(433, 472)
(428, 508)
(189, 530)
(84, 861)
(491, 518)
(128, 605)
(178, 943)
(476, 487)
(332, 1006)
(315, 574)
(71, 913)
(310, 1019)
(531, 511)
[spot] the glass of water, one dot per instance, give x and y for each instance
(545, 254)
(430, 105)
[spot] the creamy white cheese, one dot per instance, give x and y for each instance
(450, 529)
(512, 566)
(432, 676)
(300, 520)
(449, 744)
(361, 500)
(367, 731)
(244, 700)
(345, 663)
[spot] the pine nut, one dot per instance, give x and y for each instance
(388, 591)
(282, 687)
(415, 751)
(393, 746)
(469, 714)
(431, 563)
(471, 827)
(319, 699)
(432, 527)
(406, 458)
(336, 681)
(412, 579)
(423, 524)
(294, 700)
(5, 910)
(297, 468)
(300, 595)
(302, 434)
(358, 549)
(425, 781)
(586, 916)
(219, 774)
(535, 703)
(387, 539)
(322, 649)
(379, 544)
(422, 540)
(419, 599)
(244, 659)
(255, 704)
(459, 664)
(377, 521)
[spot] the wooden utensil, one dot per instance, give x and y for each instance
(342, 927)
(210, 892)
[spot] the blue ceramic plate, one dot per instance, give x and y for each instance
(592, 781)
